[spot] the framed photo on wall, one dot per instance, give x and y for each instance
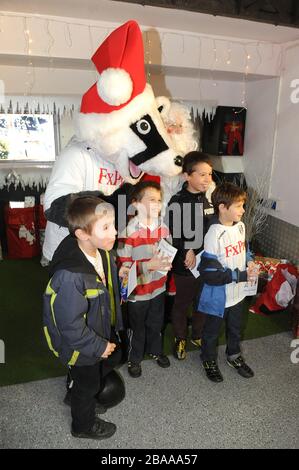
(27, 138)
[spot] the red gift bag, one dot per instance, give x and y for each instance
(41, 223)
(41, 219)
(22, 239)
(279, 291)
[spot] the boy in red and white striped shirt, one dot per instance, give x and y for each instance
(146, 303)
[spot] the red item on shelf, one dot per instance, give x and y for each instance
(234, 130)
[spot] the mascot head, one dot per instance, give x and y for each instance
(119, 114)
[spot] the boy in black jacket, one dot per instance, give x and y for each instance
(187, 215)
(82, 314)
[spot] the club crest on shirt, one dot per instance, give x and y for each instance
(241, 229)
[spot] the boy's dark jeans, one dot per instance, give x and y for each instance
(187, 289)
(232, 318)
(88, 381)
(146, 319)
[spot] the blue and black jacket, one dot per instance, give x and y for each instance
(79, 309)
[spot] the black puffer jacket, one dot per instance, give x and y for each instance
(188, 216)
(77, 314)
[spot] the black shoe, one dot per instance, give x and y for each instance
(134, 369)
(99, 410)
(161, 360)
(100, 430)
(241, 367)
(180, 349)
(212, 371)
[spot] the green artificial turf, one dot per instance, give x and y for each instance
(27, 356)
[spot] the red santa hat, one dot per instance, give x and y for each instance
(120, 63)
(121, 96)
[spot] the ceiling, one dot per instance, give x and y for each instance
(277, 12)
(157, 17)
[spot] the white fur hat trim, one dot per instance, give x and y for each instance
(115, 86)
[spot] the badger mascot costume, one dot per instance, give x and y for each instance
(119, 133)
(122, 131)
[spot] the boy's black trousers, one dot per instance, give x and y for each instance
(233, 319)
(146, 318)
(187, 289)
(87, 383)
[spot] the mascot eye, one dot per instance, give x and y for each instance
(143, 126)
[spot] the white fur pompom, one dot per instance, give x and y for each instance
(115, 86)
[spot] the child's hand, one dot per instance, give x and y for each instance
(109, 350)
(159, 263)
(190, 259)
(123, 272)
(252, 271)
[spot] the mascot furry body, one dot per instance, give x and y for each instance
(120, 133)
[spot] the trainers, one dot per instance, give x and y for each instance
(99, 410)
(196, 342)
(241, 367)
(180, 349)
(100, 430)
(161, 360)
(134, 369)
(212, 371)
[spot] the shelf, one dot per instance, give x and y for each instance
(11, 164)
(22, 60)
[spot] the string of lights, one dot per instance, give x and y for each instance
(228, 48)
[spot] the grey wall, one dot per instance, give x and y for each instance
(280, 239)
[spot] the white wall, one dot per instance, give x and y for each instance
(199, 89)
(261, 97)
(38, 36)
(285, 176)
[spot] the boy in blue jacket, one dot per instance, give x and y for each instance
(81, 314)
(224, 273)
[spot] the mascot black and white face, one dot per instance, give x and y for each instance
(134, 139)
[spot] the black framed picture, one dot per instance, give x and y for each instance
(224, 134)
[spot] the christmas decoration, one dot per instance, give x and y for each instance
(233, 131)
(280, 289)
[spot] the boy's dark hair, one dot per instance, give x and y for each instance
(193, 158)
(227, 193)
(83, 211)
(141, 187)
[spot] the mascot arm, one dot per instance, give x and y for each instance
(57, 211)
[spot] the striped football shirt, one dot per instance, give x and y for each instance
(138, 243)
